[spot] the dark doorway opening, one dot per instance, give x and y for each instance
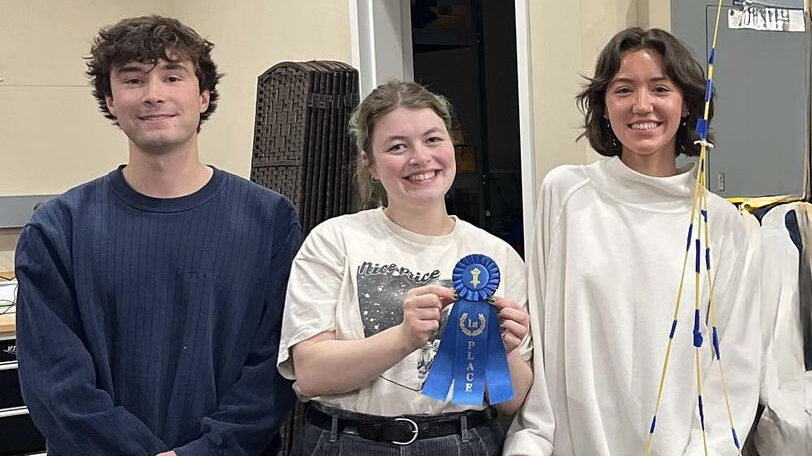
(466, 50)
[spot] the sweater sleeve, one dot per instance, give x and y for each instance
(737, 318)
(255, 407)
(531, 432)
(57, 373)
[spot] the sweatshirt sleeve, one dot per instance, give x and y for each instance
(57, 373)
(315, 285)
(531, 432)
(737, 320)
(256, 406)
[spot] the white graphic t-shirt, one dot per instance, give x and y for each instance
(351, 276)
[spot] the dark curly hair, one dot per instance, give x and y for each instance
(147, 39)
(680, 67)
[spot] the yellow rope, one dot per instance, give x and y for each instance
(712, 313)
(700, 183)
(698, 287)
(677, 305)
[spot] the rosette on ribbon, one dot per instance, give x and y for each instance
(471, 356)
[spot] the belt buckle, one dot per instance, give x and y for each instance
(415, 432)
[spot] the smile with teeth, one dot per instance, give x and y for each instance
(647, 125)
(422, 176)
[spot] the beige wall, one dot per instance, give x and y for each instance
(565, 39)
(52, 136)
(250, 36)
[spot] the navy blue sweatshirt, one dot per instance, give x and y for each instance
(147, 324)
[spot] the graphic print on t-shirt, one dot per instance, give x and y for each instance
(381, 291)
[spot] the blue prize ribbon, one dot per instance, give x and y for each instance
(471, 356)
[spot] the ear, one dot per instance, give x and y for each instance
(685, 111)
(110, 105)
(370, 167)
(204, 100)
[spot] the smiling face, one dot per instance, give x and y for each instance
(413, 156)
(644, 107)
(157, 106)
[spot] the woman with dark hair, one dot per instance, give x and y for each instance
(369, 293)
(604, 267)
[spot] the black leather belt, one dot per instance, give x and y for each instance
(402, 430)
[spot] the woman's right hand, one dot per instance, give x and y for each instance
(422, 309)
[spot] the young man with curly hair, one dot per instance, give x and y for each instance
(150, 299)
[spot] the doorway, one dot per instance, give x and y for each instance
(466, 51)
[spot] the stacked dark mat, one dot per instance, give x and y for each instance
(301, 145)
(302, 149)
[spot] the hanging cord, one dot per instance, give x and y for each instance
(677, 305)
(699, 191)
(712, 313)
(697, 332)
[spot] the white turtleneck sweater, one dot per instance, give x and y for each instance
(604, 267)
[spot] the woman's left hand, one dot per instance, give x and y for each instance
(515, 322)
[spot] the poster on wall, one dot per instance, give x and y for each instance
(758, 17)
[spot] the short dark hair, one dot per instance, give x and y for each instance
(147, 39)
(381, 101)
(680, 67)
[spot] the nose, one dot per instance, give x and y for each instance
(420, 155)
(642, 103)
(153, 91)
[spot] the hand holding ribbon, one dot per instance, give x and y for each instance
(515, 322)
(422, 309)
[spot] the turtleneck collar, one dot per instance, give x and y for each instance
(667, 194)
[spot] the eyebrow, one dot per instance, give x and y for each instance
(173, 66)
(139, 67)
(130, 68)
(630, 80)
(430, 131)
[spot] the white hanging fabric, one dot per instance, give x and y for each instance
(786, 391)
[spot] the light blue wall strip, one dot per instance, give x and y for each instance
(15, 211)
